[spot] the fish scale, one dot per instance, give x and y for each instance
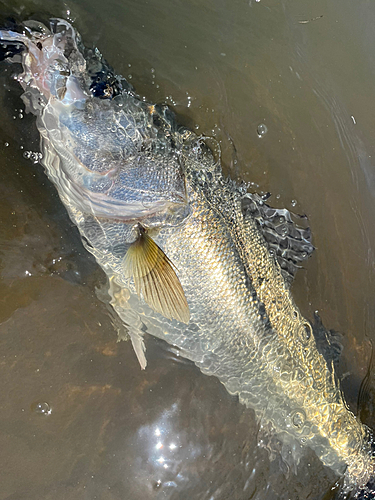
(317, 385)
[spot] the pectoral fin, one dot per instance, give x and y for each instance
(155, 277)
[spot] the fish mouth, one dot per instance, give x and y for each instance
(50, 58)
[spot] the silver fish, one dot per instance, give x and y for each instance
(191, 257)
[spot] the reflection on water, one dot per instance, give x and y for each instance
(286, 87)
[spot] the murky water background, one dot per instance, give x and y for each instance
(78, 419)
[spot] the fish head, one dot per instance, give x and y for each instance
(103, 152)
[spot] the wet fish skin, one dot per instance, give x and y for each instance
(245, 327)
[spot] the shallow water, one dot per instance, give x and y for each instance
(78, 419)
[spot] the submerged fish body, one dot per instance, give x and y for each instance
(220, 292)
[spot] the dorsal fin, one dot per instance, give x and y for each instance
(289, 243)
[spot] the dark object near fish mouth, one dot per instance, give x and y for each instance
(105, 86)
(10, 49)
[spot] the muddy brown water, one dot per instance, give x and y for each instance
(78, 419)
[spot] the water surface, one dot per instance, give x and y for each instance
(78, 419)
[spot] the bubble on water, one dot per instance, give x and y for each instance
(308, 330)
(42, 408)
(34, 156)
(262, 130)
(157, 484)
(298, 419)
(284, 231)
(6, 144)
(293, 203)
(120, 132)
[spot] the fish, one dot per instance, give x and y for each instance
(191, 256)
